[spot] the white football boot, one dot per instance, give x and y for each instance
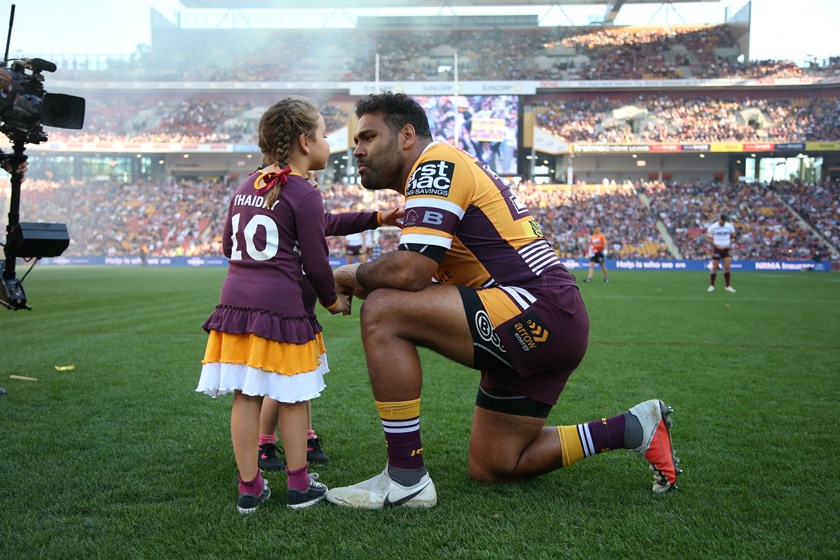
(382, 492)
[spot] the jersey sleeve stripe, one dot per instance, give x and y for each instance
(539, 256)
(421, 239)
(428, 202)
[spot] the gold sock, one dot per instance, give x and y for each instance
(399, 410)
(570, 446)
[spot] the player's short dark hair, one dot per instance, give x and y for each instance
(723, 216)
(398, 110)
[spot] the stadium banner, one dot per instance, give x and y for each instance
(791, 146)
(491, 130)
(445, 88)
(823, 146)
(547, 143)
(523, 87)
(758, 147)
(687, 83)
(726, 147)
(570, 264)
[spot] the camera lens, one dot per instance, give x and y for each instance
(63, 111)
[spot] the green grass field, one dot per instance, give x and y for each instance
(120, 458)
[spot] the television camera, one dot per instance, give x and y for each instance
(25, 108)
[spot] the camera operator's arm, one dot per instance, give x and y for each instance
(6, 163)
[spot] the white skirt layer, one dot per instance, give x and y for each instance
(223, 378)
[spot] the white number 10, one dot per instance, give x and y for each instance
(272, 238)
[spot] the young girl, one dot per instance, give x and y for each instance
(262, 342)
(339, 223)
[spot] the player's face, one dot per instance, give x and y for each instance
(378, 157)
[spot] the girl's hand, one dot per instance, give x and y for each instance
(342, 305)
(393, 217)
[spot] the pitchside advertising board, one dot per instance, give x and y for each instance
(570, 264)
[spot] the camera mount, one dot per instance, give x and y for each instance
(24, 110)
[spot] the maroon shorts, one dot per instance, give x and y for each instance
(354, 250)
(718, 254)
(527, 341)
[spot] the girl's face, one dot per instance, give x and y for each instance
(319, 148)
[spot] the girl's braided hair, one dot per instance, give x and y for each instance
(279, 127)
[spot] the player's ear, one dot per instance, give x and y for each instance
(407, 135)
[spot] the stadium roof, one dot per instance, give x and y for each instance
(340, 4)
(612, 7)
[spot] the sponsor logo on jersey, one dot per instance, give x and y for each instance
(484, 327)
(532, 229)
(412, 218)
(529, 333)
(431, 178)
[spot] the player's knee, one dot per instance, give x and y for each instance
(484, 469)
(380, 309)
(480, 472)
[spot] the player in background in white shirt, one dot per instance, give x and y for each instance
(355, 249)
(721, 233)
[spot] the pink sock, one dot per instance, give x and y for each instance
(268, 438)
(298, 479)
(253, 487)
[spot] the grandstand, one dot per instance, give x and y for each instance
(652, 126)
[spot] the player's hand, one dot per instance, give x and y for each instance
(393, 217)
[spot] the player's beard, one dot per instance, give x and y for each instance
(384, 173)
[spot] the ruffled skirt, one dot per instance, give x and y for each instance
(283, 371)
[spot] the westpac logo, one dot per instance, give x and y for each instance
(431, 177)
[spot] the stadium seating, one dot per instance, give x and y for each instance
(185, 218)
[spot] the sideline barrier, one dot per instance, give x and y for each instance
(571, 264)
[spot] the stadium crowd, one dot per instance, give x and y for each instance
(542, 53)
(661, 118)
(185, 218)
(215, 118)
(766, 228)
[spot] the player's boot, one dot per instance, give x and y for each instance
(729, 289)
(383, 492)
(655, 420)
(710, 289)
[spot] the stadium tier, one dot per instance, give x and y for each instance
(656, 127)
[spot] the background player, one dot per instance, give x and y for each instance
(721, 233)
(597, 249)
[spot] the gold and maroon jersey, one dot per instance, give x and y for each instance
(457, 205)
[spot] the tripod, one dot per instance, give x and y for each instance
(12, 295)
